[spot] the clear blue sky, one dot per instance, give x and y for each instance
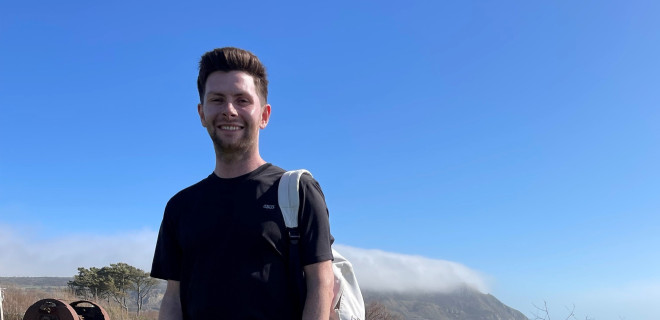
(519, 138)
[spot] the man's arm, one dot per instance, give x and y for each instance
(170, 307)
(320, 282)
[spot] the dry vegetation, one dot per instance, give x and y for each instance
(18, 300)
(378, 311)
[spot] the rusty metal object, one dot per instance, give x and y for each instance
(91, 312)
(50, 309)
(55, 309)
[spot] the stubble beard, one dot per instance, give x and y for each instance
(232, 149)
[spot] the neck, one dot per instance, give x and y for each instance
(235, 165)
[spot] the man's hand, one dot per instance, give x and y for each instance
(170, 307)
(320, 282)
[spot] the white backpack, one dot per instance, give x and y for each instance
(347, 303)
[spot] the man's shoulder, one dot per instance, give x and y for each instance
(309, 180)
(271, 169)
(271, 174)
(308, 183)
(266, 173)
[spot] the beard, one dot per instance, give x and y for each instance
(235, 146)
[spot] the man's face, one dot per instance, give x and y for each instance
(232, 112)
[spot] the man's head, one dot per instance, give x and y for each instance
(233, 59)
(233, 89)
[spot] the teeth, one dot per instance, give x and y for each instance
(230, 128)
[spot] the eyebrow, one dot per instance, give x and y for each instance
(235, 93)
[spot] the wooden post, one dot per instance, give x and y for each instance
(2, 317)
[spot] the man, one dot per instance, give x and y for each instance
(222, 245)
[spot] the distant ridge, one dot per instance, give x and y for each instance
(462, 304)
(36, 282)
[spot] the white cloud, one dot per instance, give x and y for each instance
(22, 256)
(385, 271)
(375, 269)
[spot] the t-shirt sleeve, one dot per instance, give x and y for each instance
(167, 257)
(316, 240)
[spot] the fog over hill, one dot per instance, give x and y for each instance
(412, 286)
(382, 271)
(60, 256)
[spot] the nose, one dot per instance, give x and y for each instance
(229, 111)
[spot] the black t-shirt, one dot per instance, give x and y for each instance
(226, 242)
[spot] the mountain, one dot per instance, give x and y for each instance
(462, 304)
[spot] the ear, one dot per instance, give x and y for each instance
(265, 116)
(202, 118)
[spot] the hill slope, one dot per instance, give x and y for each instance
(463, 304)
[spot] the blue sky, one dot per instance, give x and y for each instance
(517, 138)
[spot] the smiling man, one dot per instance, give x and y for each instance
(223, 246)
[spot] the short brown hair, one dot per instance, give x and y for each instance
(232, 59)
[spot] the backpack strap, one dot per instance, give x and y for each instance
(288, 198)
(347, 302)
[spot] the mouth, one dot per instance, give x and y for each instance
(230, 127)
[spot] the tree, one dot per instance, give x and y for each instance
(544, 314)
(119, 281)
(120, 273)
(91, 282)
(142, 285)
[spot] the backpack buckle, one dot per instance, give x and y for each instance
(294, 235)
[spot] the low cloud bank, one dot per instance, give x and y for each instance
(61, 256)
(384, 271)
(20, 255)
